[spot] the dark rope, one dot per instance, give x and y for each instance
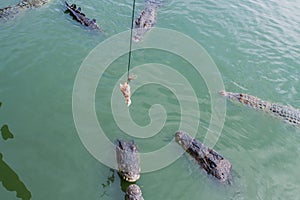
(130, 39)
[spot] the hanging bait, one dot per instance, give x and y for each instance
(125, 89)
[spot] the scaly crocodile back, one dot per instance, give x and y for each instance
(211, 161)
(287, 113)
(8, 12)
(247, 100)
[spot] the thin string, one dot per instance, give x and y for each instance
(130, 39)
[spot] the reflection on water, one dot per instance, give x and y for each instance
(123, 183)
(10, 180)
(110, 179)
(124, 186)
(109, 182)
(5, 132)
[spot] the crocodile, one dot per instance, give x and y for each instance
(133, 192)
(287, 113)
(80, 17)
(146, 20)
(128, 160)
(211, 161)
(11, 11)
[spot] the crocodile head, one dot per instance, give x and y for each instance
(144, 22)
(235, 97)
(183, 139)
(223, 172)
(230, 95)
(139, 33)
(134, 192)
(93, 24)
(128, 160)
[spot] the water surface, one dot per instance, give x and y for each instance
(255, 45)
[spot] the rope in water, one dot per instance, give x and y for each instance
(130, 39)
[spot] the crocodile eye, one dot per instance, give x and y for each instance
(133, 148)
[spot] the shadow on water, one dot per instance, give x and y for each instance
(5, 132)
(10, 180)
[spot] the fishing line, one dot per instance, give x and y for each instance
(130, 40)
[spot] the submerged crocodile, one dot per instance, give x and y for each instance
(287, 113)
(133, 192)
(211, 161)
(128, 160)
(11, 11)
(80, 17)
(146, 19)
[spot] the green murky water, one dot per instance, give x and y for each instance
(255, 45)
